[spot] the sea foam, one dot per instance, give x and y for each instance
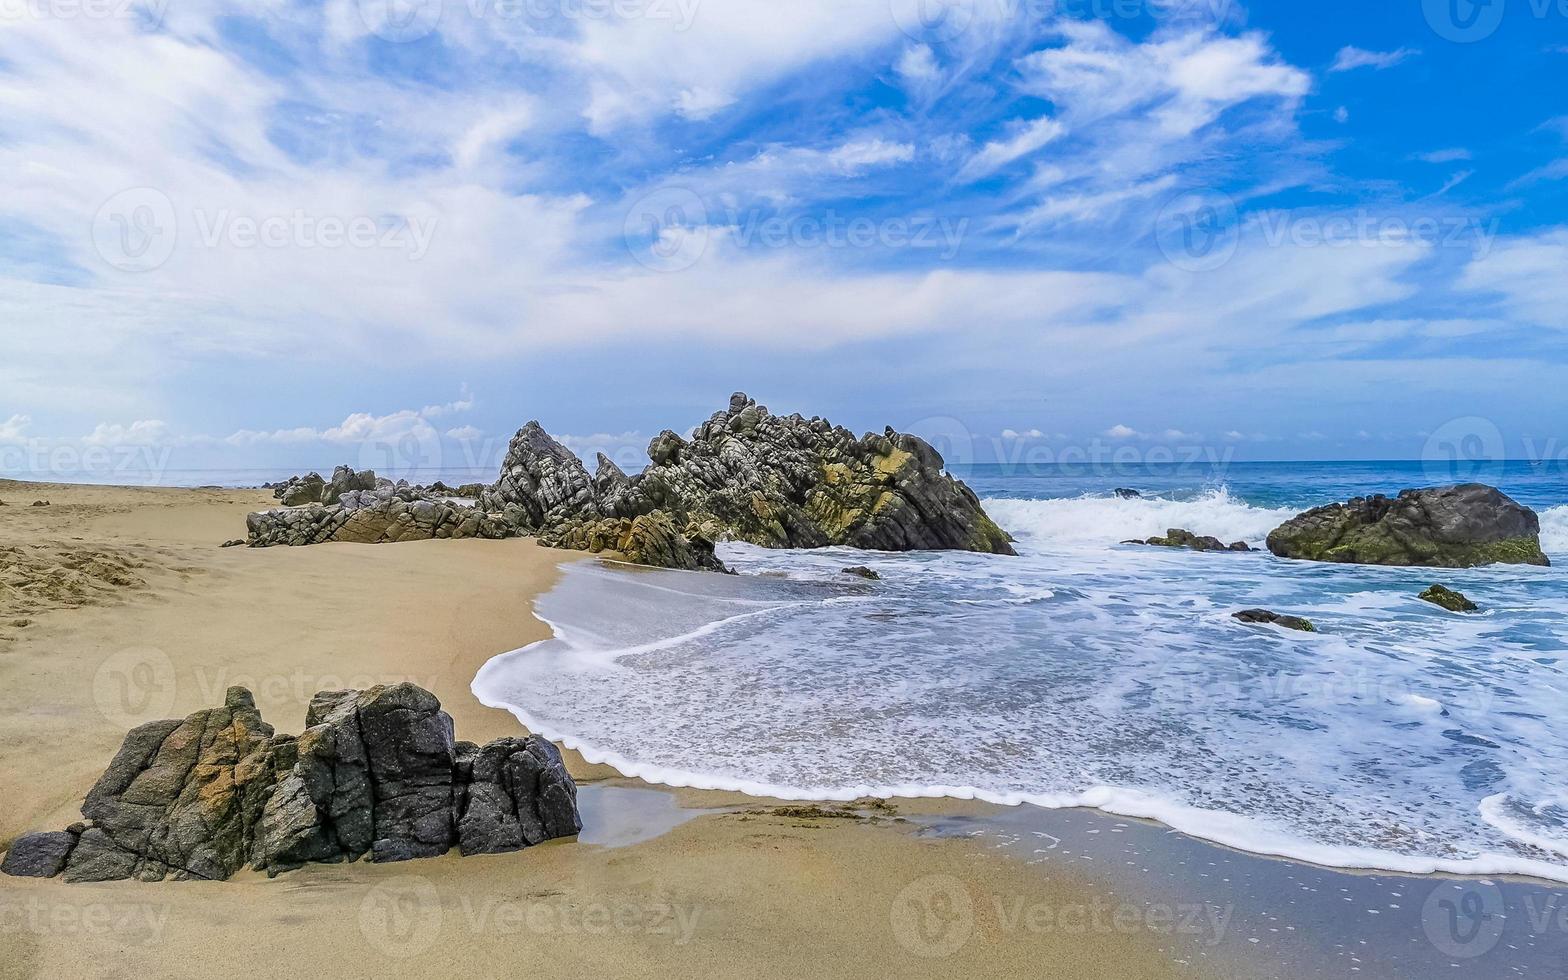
(1101, 519)
(1083, 676)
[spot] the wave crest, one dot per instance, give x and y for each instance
(1554, 530)
(1090, 520)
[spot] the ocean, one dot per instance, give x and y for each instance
(1087, 673)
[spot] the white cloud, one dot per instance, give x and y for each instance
(14, 427)
(144, 432)
(1028, 138)
(1556, 170)
(365, 427)
(1183, 82)
(1351, 58)
(859, 155)
(1458, 178)
(1141, 119)
(1445, 156)
(701, 103)
(1123, 432)
(1530, 275)
(464, 433)
(639, 68)
(1013, 434)
(1342, 114)
(918, 65)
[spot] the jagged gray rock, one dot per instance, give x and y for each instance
(376, 772)
(39, 855)
(517, 793)
(379, 516)
(345, 480)
(804, 483)
(298, 491)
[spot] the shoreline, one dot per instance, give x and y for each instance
(292, 620)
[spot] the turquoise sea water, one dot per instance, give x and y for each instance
(1089, 673)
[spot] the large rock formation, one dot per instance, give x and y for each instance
(1447, 527)
(376, 772)
(780, 482)
(792, 482)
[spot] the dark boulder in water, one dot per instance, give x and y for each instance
(1125, 494)
(1453, 601)
(863, 572)
(1443, 527)
(1264, 617)
(1180, 538)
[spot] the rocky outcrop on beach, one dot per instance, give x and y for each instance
(381, 516)
(1265, 617)
(1181, 538)
(297, 491)
(1441, 595)
(1445, 527)
(376, 772)
(651, 539)
(792, 482)
(747, 475)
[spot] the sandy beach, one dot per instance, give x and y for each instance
(120, 607)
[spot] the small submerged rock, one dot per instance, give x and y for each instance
(863, 572)
(1453, 601)
(1265, 617)
(1181, 538)
(1127, 494)
(40, 503)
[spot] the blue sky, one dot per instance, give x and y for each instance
(320, 232)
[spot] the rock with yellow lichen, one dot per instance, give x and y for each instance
(793, 482)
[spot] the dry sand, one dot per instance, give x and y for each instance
(118, 606)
